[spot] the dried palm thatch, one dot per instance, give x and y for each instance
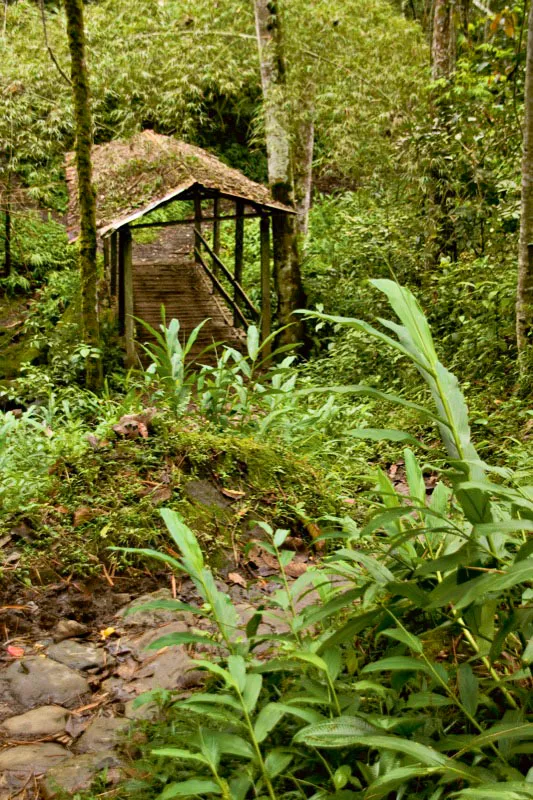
(136, 176)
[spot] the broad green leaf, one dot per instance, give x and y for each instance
(185, 539)
(252, 688)
(508, 790)
(232, 745)
(276, 761)
(415, 479)
(384, 434)
(339, 732)
(216, 670)
(173, 639)
(216, 699)
(252, 342)
(377, 571)
(176, 752)
(189, 789)
(409, 639)
(280, 536)
(166, 605)
(394, 663)
(237, 670)
(267, 719)
(396, 778)
(468, 688)
(428, 700)
(513, 730)
(141, 551)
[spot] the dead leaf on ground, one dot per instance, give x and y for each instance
(14, 651)
(233, 494)
(82, 515)
(234, 577)
(161, 495)
(132, 425)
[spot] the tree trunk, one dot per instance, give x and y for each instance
(303, 169)
(287, 274)
(524, 295)
(7, 240)
(86, 193)
(443, 42)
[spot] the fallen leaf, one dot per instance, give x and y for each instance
(107, 632)
(82, 515)
(14, 651)
(233, 494)
(234, 577)
(161, 495)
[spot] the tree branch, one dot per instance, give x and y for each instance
(50, 51)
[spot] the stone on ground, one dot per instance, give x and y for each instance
(77, 655)
(77, 774)
(43, 721)
(68, 629)
(19, 764)
(37, 681)
(149, 618)
(102, 734)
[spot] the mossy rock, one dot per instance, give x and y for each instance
(220, 484)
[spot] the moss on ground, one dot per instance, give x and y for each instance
(220, 484)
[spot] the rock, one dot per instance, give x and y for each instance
(78, 655)
(148, 711)
(43, 721)
(77, 774)
(19, 764)
(205, 494)
(68, 629)
(37, 681)
(152, 618)
(102, 734)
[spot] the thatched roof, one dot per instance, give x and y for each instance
(135, 176)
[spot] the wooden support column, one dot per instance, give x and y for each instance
(129, 322)
(266, 313)
(120, 280)
(113, 264)
(216, 230)
(239, 249)
(197, 223)
(107, 259)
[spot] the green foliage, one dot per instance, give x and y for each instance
(371, 696)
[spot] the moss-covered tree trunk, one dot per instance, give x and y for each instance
(86, 193)
(7, 239)
(443, 40)
(524, 294)
(287, 273)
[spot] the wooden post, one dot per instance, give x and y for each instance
(129, 322)
(265, 283)
(239, 249)
(113, 264)
(120, 280)
(197, 223)
(216, 231)
(107, 259)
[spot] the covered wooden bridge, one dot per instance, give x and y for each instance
(186, 274)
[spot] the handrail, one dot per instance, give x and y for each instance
(236, 285)
(229, 300)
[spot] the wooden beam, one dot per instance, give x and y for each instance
(216, 229)
(266, 312)
(239, 246)
(113, 264)
(129, 322)
(169, 222)
(225, 271)
(197, 224)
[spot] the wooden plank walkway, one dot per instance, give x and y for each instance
(166, 274)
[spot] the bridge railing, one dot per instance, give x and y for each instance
(244, 311)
